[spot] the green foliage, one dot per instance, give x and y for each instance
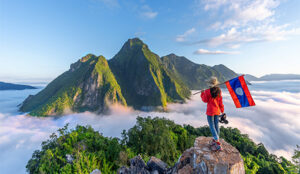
(88, 148)
(158, 137)
(57, 87)
(57, 104)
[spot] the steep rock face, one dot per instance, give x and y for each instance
(143, 78)
(89, 85)
(195, 75)
(197, 160)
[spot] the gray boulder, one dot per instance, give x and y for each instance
(137, 166)
(157, 165)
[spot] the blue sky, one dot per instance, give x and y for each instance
(40, 39)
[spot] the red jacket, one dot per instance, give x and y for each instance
(214, 105)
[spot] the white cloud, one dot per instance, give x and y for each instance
(204, 51)
(244, 21)
(237, 13)
(233, 37)
(182, 37)
(213, 4)
(274, 121)
(147, 12)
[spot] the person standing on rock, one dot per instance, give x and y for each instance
(215, 107)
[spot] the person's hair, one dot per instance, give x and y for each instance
(215, 91)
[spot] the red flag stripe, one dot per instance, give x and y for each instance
(246, 90)
(233, 95)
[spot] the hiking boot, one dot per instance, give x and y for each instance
(219, 148)
(212, 142)
(216, 147)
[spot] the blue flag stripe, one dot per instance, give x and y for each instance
(236, 86)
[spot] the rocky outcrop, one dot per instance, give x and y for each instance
(157, 165)
(199, 159)
(137, 165)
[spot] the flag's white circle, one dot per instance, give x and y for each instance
(239, 91)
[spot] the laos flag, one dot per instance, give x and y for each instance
(239, 92)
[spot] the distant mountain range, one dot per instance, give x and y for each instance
(135, 77)
(272, 77)
(11, 86)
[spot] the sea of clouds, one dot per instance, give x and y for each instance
(274, 121)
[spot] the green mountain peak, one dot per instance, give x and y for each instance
(134, 76)
(143, 78)
(89, 85)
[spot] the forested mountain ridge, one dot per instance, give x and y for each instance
(195, 75)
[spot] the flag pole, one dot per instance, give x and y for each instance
(217, 84)
(210, 87)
